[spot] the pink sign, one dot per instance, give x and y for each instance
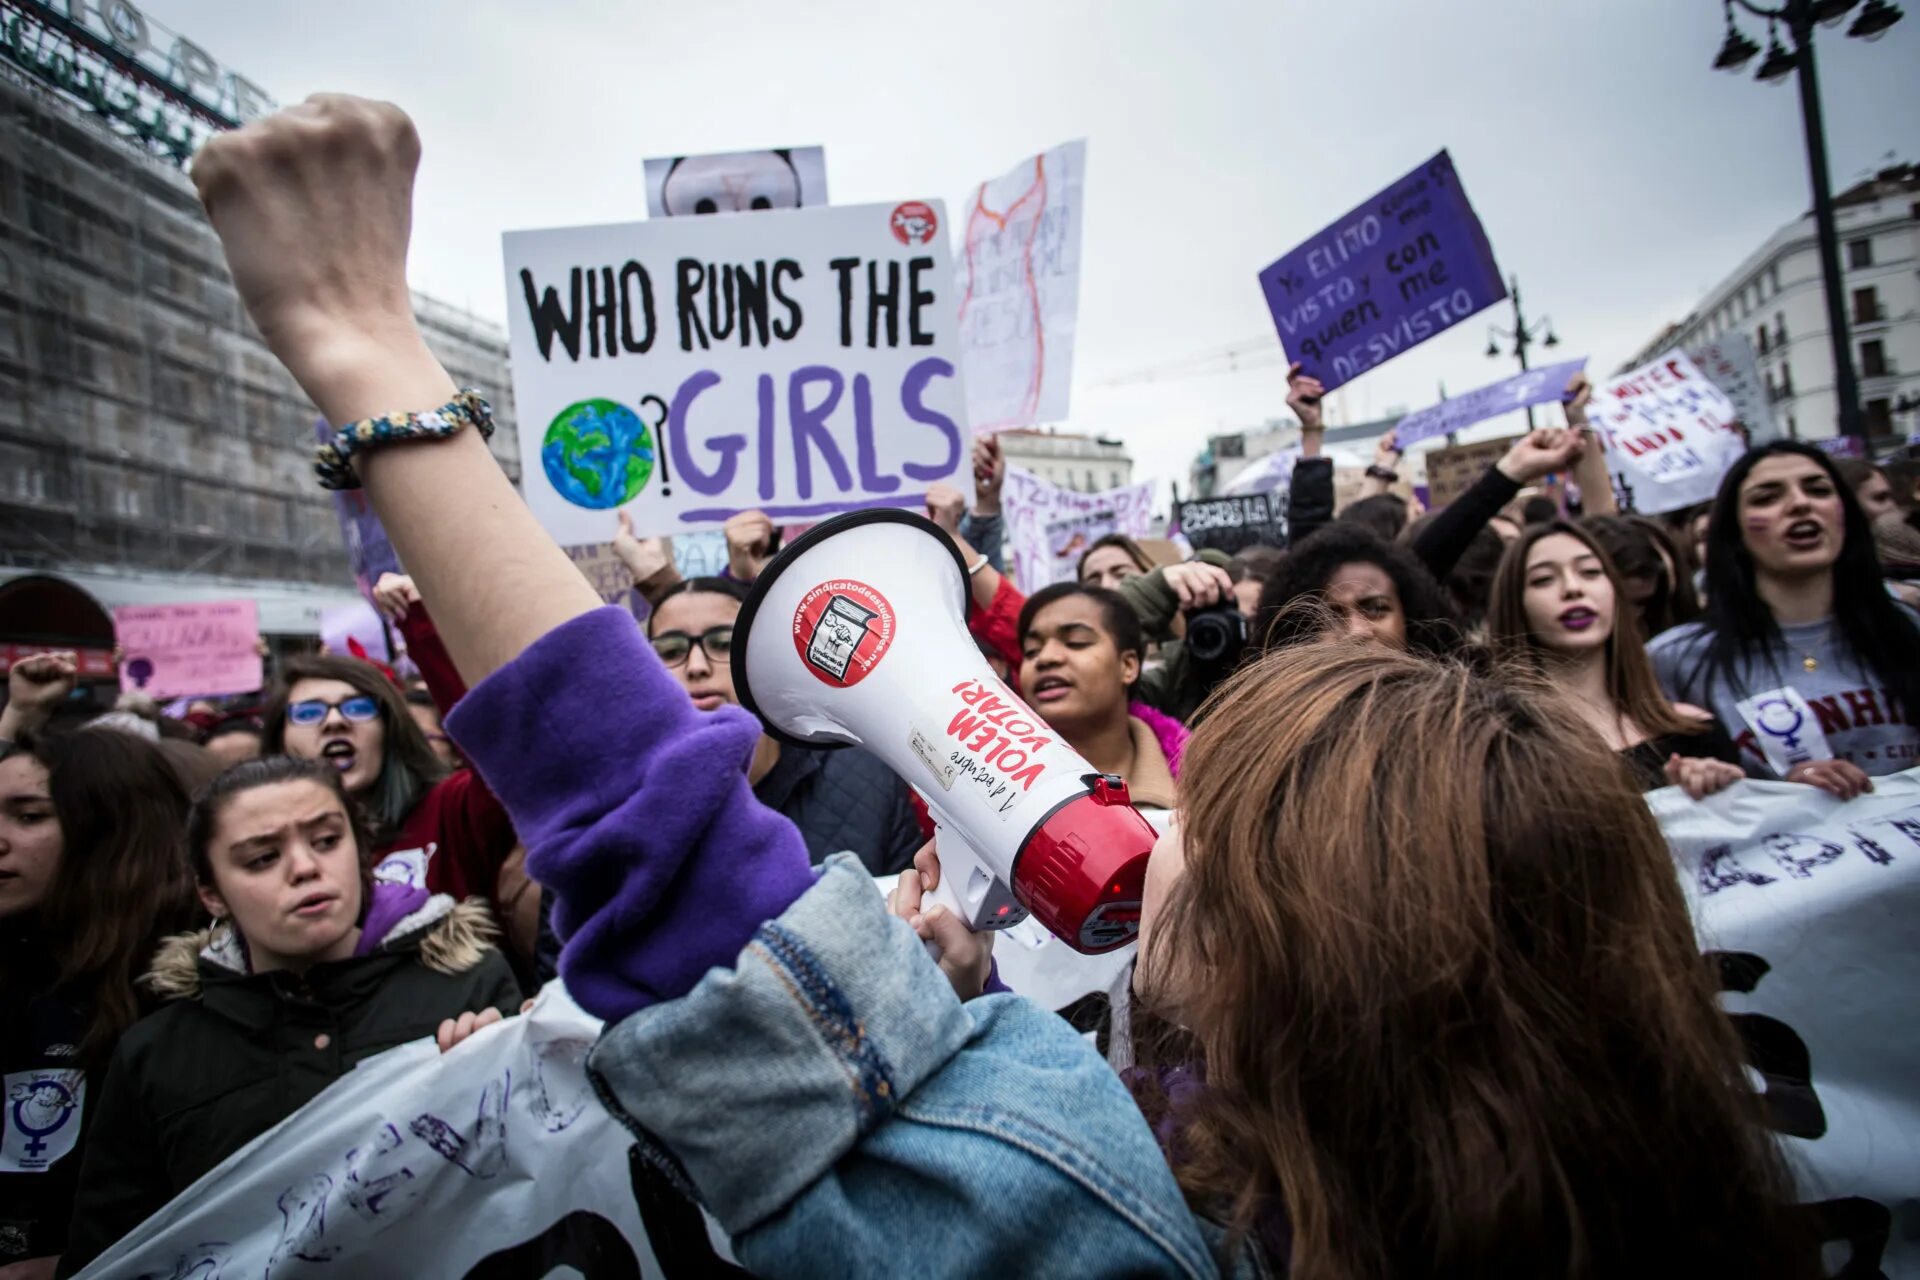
(175, 650)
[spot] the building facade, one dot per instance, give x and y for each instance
(1777, 299)
(149, 442)
(1082, 463)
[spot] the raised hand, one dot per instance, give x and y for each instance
(1541, 453)
(749, 544)
(989, 474)
(36, 686)
(1578, 395)
(1303, 397)
(945, 506)
(314, 206)
(394, 594)
(649, 561)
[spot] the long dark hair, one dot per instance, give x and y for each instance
(1631, 684)
(1307, 568)
(1741, 630)
(123, 883)
(1464, 1027)
(408, 766)
(1641, 548)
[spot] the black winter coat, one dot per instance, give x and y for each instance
(844, 800)
(233, 1053)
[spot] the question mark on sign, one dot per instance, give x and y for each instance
(660, 436)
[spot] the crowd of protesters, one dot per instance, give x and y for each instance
(1416, 989)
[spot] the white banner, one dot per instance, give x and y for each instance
(1048, 528)
(802, 362)
(1668, 433)
(1809, 905)
(1018, 274)
(1729, 364)
(494, 1160)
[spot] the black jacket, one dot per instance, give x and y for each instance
(41, 1070)
(844, 799)
(234, 1053)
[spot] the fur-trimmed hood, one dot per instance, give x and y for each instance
(449, 937)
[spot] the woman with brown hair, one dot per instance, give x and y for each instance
(1429, 941)
(1560, 610)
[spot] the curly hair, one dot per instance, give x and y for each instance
(1303, 576)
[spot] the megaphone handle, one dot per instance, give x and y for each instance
(953, 870)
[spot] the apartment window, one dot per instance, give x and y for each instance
(1859, 254)
(1873, 359)
(1786, 380)
(1866, 306)
(1879, 417)
(1760, 341)
(1779, 328)
(1773, 273)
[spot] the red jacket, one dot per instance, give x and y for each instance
(458, 835)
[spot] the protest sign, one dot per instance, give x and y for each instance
(1452, 471)
(1668, 432)
(1842, 446)
(355, 625)
(604, 570)
(1729, 365)
(1019, 289)
(1031, 507)
(736, 182)
(1385, 276)
(802, 362)
(1234, 524)
(1807, 905)
(1069, 537)
(1272, 473)
(494, 1159)
(1534, 386)
(193, 650)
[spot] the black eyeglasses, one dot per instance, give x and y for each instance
(674, 646)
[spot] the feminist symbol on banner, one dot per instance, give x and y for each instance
(43, 1103)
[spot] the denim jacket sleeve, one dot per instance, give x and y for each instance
(842, 1113)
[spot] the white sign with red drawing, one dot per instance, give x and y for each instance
(1018, 270)
(1669, 434)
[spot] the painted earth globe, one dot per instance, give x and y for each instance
(598, 454)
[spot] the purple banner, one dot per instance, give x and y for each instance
(1535, 386)
(1403, 266)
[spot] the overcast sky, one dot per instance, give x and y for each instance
(1616, 174)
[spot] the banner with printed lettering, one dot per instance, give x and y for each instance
(1048, 527)
(1387, 275)
(204, 649)
(1534, 386)
(1019, 289)
(802, 362)
(1729, 364)
(1807, 905)
(495, 1160)
(1668, 432)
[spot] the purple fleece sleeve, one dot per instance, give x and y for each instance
(635, 810)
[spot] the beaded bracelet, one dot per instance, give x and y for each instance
(333, 462)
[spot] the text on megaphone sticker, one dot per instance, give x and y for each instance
(1000, 742)
(842, 629)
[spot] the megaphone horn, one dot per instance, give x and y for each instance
(856, 634)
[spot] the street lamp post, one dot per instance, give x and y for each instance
(1800, 16)
(1522, 335)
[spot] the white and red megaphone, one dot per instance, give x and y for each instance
(856, 635)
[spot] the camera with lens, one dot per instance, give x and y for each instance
(1216, 636)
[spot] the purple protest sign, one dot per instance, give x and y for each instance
(1535, 386)
(1389, 274)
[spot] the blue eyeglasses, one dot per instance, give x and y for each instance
(358, 709)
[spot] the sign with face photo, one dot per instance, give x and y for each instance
(736, 182)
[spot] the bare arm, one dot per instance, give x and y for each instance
(1303, 397)
(1590, 467)
(314, 209)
